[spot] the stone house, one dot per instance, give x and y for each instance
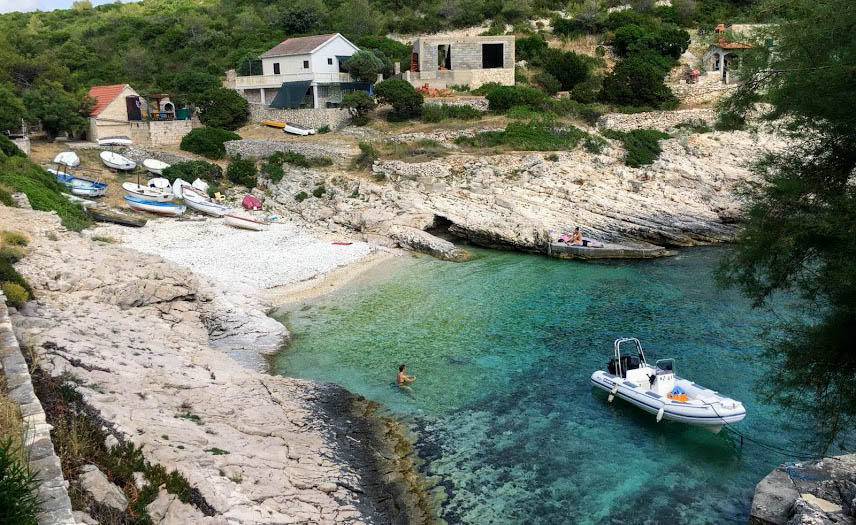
(303, 72)
(444, 61)
(120, 110)
(723, 58)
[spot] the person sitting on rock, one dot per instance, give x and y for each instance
(577, 238)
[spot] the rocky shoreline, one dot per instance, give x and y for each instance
(128, 327)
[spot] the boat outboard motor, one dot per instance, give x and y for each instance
(651, 379)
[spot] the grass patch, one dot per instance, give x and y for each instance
(694, 126)
(15, 294)
(42, 190)
(642, 145)
(543, 135)
(217, 451)
(12, 254)
(15, 239)
(367, 156)
(302, 196)
(441, 112)
(319, 191)
(19, 498)
(9, 274)
(105, 238)
(419, 151)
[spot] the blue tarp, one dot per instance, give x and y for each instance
(291, 95)
(678, 390)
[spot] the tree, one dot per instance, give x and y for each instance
(355, 18)
(625, 36)
(568, 68)
(364, 66)
(635, 81)
(299, 19)
(359, 104)
(11, 109)
(406, 102)
(58, 110)
(530, 48)
(223, 108)
(798, 233)
(547, 82)
(189, 85)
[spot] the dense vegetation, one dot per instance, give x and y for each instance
(208, 142)
(799, 235)
(48, 60)
(242, 171)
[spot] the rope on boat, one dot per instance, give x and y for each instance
(773, 448)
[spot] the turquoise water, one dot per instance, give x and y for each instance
(506, 420)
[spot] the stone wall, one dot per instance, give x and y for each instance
(168, 132)
(479, 103)
(53, 489)
(311, 118)
(23, 144)
(709, 88)
(661, 120)
(258, 149)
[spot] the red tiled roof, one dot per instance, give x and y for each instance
(732, 45)
(297, 46)
(103, 96)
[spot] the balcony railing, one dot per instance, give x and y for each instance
(260, 81)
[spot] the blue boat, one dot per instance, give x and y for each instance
(159, 208)
(79, 186)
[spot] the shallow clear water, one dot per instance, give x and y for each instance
(503, 347)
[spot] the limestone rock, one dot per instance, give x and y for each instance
(84, 518)
(96, 484)
(423, 241)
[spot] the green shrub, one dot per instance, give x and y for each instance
(323, 129)
(105, 239)
(502, 98)
(568, 67)
(523, 113)
(242, 171)
(302, 196)
(319, 191)
(360, 121)
(594, 144)
(642, 145)
(300, 160)
(8, 273)
(42, 190)
(208, 142)
(694, 126)
(549, 84)
(223, 108)
(12, 254)
(530, 48)
(18, 486)
(9, 148)
(367, 156)
(635, 81)
(273, 168)
(15, 238)
(417, 151)
(587, 90)
(441, 112)
(537, 135)
(364, 66)
(589, 113)
(16, 295)
(406, 102)
(6, 198)
(552, 157)
(359, 104)
(191, 170)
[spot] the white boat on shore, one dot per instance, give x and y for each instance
(159, 183)
(155, 166)
(246, 223)
(198, 201)
(116, 140)
(657, 390)
(68, 159)
(139, 191)
(160, 208)
(116, 161)
(296, 129)
(178, 186)
(78, 186)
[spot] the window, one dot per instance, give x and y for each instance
(329, 61)
(492, 56)
(324, 91)
(305, 64)
(276, 68)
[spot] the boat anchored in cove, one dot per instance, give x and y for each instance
(657, 390)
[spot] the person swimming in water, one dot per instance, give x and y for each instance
(402, 379)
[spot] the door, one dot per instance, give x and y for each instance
(133, 105)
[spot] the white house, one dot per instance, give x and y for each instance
(303, 72)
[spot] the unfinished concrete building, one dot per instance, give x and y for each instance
(471, 61)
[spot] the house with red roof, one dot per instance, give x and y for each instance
(120, 110)
(301, 72)
(723, 58)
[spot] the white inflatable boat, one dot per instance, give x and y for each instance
(657, 390)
